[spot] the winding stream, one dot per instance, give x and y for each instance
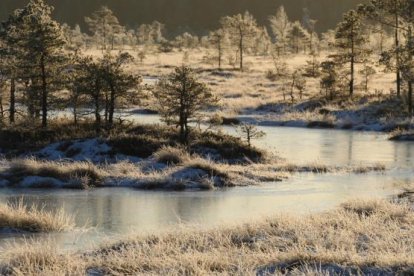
(112, 212)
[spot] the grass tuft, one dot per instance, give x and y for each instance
(33, 219)
(171, 155)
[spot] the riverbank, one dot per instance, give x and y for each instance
(142, 157)
(168, 169)
(360, 114)
(346, 240)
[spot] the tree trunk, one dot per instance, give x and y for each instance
(12, 109)
(104, 34)
(410, 78)
(75, 110)
(397, 53)
(219, 54)
(44, 93)
(111, 105)
(351, 82)
(241, 51)
(410, 98)
(106, 106)
(96, 99)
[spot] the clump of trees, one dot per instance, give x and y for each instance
(43, 76)
(32, 44)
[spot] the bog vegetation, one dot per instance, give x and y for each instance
(47, 66)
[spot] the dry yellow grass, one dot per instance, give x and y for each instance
(74, 174)
(361, 234)
(241, 91)
(33, 219)
(179, 171)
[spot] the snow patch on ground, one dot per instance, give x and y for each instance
(93, 150)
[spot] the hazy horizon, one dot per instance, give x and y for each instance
(194, 16)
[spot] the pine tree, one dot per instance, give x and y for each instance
(263, 42)
(310, 25)
(103, 23)
(280, 26)
(249, 132)
(118, 82)
(181, 97)
(367, 72)
(242, 28)
(74, 37)
(389, 13)
(329, 78)
(218, 39)
(40, 56)
(407, 56)
(89, 81)
(297, 36)
(10, 52)
(349, 42)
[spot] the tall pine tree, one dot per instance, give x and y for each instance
(349, 42)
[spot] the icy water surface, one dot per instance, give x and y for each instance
(112, 212)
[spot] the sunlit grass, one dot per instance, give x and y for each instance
(17, 216)
(362, 234)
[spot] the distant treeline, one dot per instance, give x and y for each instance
(195, 16)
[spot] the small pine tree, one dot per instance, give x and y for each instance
(249, 132)
(104, 24)
(218, 39)
(329, 78)
(298, 82)
(349, 42)
(312, 68)
(297, 36)
(181, 97)
(280, 26)
(242, 29)
(367, 72)
(117, 81)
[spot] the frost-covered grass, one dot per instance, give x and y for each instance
(249, 91)
(35, 173)
(171, 155)
(63, 140)
(361, 237)
(18, 217)
(168, 169)
(193, 172)
(402, 135)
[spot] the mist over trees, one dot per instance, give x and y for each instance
(196, 16)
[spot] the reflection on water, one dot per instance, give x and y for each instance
(336, 147)
(117, 211)
(301, 145)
